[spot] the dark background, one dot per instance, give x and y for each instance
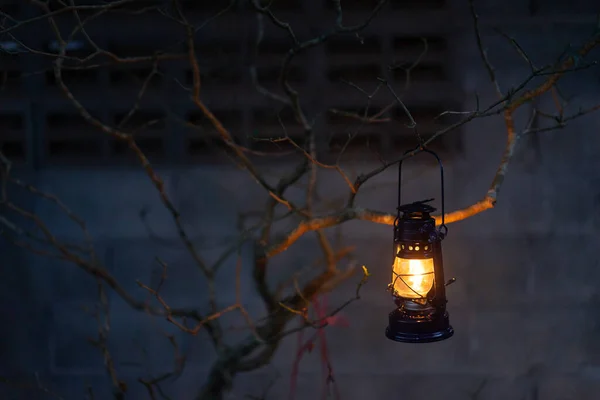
(525, 304)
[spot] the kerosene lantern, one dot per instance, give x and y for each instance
(418, 285)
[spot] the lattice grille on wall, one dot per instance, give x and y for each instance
(202, 141)
(69, 137)
(365, 5)
(169, 128)
(10, 71)
(12, 139)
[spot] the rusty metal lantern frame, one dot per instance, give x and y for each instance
(423, 319)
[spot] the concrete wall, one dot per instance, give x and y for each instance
(524, 307)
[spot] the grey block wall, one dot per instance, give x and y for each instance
(524, 307)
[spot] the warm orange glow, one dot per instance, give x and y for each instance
(412, 279)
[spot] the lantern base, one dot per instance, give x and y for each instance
(408, 329)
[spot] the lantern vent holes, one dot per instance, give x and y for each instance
(415, 247)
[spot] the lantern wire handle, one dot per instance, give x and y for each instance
(443, 228)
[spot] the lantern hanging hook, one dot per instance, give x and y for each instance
(443, 229)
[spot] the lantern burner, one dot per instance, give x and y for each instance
(417, 306)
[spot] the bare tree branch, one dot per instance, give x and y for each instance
(298, 298)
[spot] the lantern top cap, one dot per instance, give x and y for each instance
(418, 207)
